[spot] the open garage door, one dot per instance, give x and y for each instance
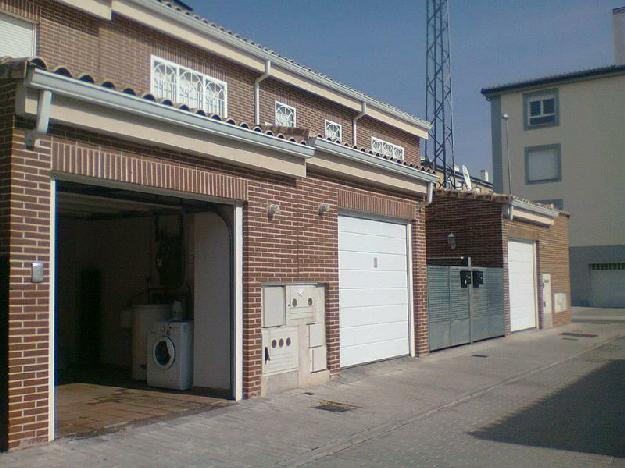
(522, 285)
(373, 290)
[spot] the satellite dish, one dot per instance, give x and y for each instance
(467, 177)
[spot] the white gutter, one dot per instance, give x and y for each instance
(533, 208)
(257, 82)
(87, 92)
(365, 158)
(360, 115)
(43, 119)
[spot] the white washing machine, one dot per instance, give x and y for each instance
(170, 355)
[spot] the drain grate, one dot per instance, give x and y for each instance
(579, 335)
(480, 355)
(335, 406)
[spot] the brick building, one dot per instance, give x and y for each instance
(150, 160)
(154, 166)
(516, 256)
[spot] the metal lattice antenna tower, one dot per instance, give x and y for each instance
(440, 147)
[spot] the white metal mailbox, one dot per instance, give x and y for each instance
(280, 350)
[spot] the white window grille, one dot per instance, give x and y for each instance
(285, 115)
(387, 149)
(185, 86)
(334, 131)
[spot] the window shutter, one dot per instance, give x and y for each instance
(17, 38)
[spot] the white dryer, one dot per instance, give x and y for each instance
(170, 355)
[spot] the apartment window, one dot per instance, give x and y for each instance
(542, 164)
(285, 115)
(541, 109)
(387, 149)
(17, 38)
(185, 86)
(334, 131)
(557, 203)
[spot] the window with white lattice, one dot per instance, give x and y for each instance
(182, 85)
(285, 115)
(334, 131)
(387, 149)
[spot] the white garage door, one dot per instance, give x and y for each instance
(373, 290)
(607, 285)
(522, 280)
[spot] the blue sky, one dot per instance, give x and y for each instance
(378, 46)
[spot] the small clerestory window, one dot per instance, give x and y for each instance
(189, 87)
(387, 149)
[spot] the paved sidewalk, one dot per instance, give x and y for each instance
(537, 398)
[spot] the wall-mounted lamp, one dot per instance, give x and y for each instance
(324, 208)
(273, 209)
(451, 240)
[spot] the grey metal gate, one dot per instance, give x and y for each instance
(465, 304)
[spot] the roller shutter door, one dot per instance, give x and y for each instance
(373, 290)
(17, 38)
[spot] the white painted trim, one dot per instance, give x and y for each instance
(238, 302)
(51, 315)
(411, 317)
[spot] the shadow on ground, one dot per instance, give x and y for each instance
(587, 416)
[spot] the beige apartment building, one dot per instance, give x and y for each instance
(561, 140)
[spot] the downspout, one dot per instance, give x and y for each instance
(361, 114)
(257, 91)
(43, 119)
(430, 193)
(509, 212)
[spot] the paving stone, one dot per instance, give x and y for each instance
(536, 400)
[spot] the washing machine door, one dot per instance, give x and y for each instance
(164, 352)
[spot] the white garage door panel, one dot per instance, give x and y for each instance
(371, 352)
(373, 290)
(352, 242)
(364, 260)
(370, 297)
(371, 227)
(363, 279)
(359, 316)
(522, 281)
(366, 334)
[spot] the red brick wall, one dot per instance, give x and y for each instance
(476, 225)
(7, 123)
(297, 245)
(120, 50)
(312, 112)
(368, 127)
(482, 233)
(24, 238)
(552, 246)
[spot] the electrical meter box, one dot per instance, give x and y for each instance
(274, 306)
(280, 350)
(301, 303)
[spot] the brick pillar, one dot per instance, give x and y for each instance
(27, 198)
(7, 122)
(419, 274)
